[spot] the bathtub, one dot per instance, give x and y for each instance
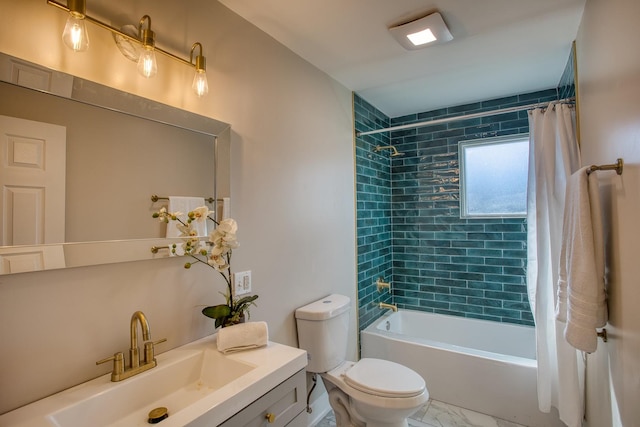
(488, 367)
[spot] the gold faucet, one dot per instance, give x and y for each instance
(119, 372)
(134, 351)
(385, 306)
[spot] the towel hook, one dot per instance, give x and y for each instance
(618, 166)
(603, 334)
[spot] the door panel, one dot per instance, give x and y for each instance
(32, 182)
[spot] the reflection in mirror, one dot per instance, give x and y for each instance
(80, 165)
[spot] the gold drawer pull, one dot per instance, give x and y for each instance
(270, 417)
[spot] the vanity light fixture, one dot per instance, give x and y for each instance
(426, 31)
(75, 36)
(147, 64)
(200, 85)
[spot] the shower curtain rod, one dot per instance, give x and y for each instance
(464, 117)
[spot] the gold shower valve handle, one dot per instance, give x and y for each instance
(270, 417)
(381, 285)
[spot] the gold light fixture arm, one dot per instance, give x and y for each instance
(120, 33)
(146, 36)
(77, 8)
(201, 61)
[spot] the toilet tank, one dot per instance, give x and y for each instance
(323, 328)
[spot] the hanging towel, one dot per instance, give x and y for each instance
(244, 336)
(185, 205)
(581, 296)
(226, 207)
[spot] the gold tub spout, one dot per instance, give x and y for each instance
(385, 306)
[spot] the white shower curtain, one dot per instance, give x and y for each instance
(553, 157)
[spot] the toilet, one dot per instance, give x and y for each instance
(370, 392)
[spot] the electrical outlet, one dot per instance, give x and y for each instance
(242, 282)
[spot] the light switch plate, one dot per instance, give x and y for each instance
(242, 282)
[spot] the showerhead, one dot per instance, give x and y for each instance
(394, 151)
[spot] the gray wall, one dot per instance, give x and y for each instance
(292, 195)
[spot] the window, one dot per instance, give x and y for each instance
(493, 177)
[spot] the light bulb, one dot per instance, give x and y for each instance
(75, 34)
(147, 65)
(200, 85)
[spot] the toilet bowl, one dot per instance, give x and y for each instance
(370, 392)
(374, 393)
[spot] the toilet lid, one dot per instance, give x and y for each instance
(384, 378)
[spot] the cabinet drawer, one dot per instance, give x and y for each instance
(284, 403)
(299, 421)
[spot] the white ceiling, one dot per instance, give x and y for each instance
(500, 47)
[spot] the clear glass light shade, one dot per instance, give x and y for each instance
(75, 34)
(200, 85)
(147, 65)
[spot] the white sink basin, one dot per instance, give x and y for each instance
(197, 384)
(174, 384)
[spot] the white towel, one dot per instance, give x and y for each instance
(243, 336)
(581, 297)
(226, 208)
(185, 205)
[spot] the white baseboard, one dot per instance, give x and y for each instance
(319, 408)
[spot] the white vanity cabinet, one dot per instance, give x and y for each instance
(199, 386)
(284, 405)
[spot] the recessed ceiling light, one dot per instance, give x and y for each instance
(422, 37)
(422, 32)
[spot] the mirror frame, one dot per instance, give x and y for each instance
(87, 92)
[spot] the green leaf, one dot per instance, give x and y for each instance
(217, 312)
(246, 300)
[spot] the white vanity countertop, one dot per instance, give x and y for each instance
(272, 364)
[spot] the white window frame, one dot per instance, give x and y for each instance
(464, 175)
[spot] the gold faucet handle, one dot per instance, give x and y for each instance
(118, 363)
(149, 352)
(381, 285)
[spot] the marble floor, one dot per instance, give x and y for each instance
(439, 414)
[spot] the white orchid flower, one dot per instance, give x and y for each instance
(218, 262)
(225, 234)
(163, 215)
(228, 225)
(191, 243)
(200, 214)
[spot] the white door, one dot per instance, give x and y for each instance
(21, 259)
(32, 182)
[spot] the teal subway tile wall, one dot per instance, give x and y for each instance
(409, 226)
(373, 213)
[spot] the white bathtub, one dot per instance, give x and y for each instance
(488, 367)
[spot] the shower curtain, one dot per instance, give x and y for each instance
(553, 157)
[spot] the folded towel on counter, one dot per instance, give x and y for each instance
(581, 295)
(244, 336)
(185, 205)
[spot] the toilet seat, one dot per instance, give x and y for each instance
(384, 378)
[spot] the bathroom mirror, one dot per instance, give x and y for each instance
(77, 186)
